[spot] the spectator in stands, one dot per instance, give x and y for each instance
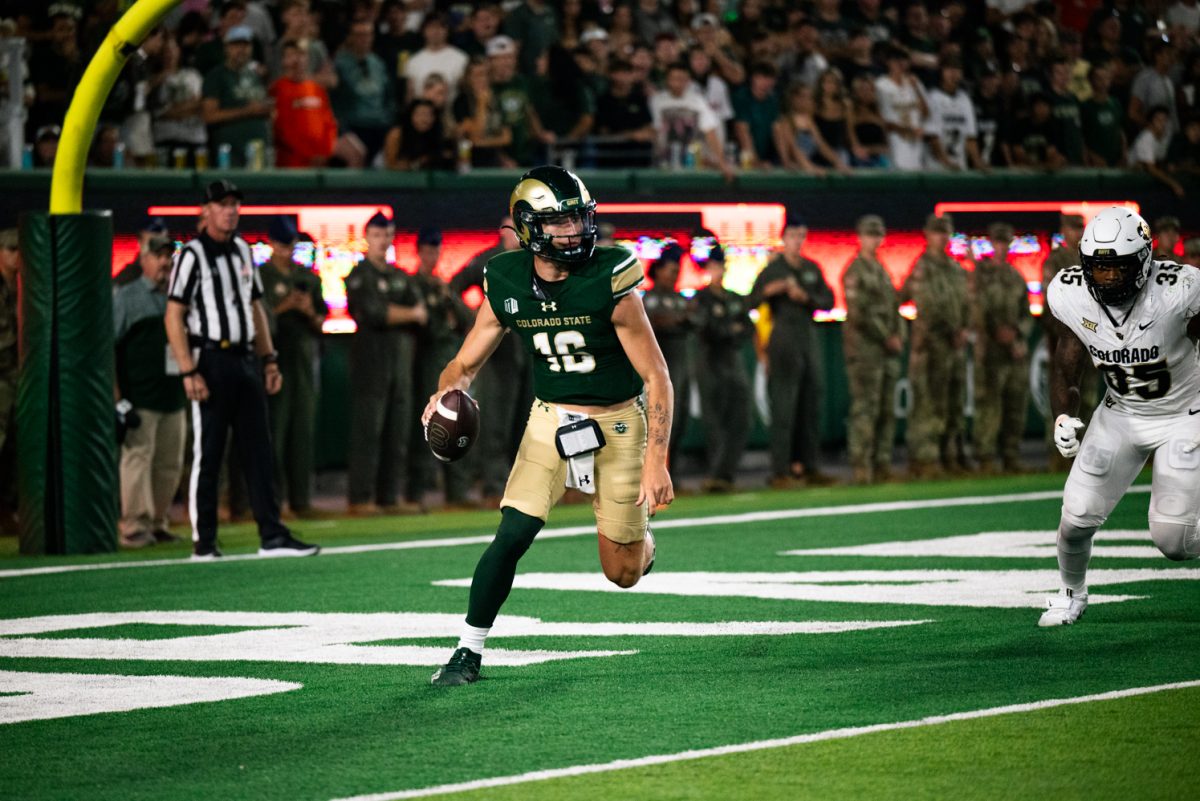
(1033, 140)
(1187, 93)
(993, 117)
(565, 108)
(595, 81)
(623, 120)
(105, 145)
(857, 59)
(1183, 20)
(436, 57)
(832, 112)
(621, 35)
(193, 31)
(55, 67)
(917, 38)
(1166, 232)
(305, 130)
(832, 27)
(870, 16)
(1184, 152)
(150, 401)
(1102, 121)
(210, 53)
(364, 100)
(512, 91)
(297, 20)
(1023, 68)
(798, 139)
(1064, 109)
(595, 41)
(651, 19)
(479, 121)
(1153, 88)
(1149, 151)
(176, 107)
(534, 23)
(1071, 51)
(666, 52)
(711, 38)
(712, 86)
(418, 142)
(951, 135)
(45, 145)
(570, 27)
(902, 106)
(868, 131)
(482, 27)
(803, 61)
(235, 106)
(684, 124)
(756, 110)
(152, 228)
(437, 92)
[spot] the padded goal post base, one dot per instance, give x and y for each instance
(66, 427)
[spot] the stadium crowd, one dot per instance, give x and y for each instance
(812, 86)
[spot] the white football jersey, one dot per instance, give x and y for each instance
(1150, 365)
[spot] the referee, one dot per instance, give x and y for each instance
(218, 337)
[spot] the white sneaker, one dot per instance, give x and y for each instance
(1065, 608)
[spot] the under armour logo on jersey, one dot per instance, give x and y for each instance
(584, 480)
(549, 307)
(1089, 325)
(510, 305)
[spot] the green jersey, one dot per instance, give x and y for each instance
(566, 326)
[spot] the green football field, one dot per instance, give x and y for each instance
(841, 643)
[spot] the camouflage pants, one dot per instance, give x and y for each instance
(937, 375)
(871, 425)
(1001, 397)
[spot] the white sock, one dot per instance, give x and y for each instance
(473, 637)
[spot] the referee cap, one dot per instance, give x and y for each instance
(217, 191)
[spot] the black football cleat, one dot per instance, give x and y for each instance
(287, 545)
(206, 553)
(463, 668)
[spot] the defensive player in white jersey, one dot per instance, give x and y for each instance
(1139, 321)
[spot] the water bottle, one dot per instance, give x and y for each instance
(691, 156)
(27, 158)
(179, 157)
(464, 155)
(676, 157)
(119, 156)
(225, 156)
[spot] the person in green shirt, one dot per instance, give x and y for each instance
(150, 401)
(575, 309)
(295, 309)
(235, 105)
(1102, 119)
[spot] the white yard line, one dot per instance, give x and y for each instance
(760, 745)
(578, 531)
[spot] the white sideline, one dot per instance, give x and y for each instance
(577, 531)
(760, 745)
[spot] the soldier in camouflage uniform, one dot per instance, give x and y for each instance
(1001, 321)
(872, 343)
(385, 304)
(295, 309)
(668, 313)
(1071, 228)
(1191, 251)
(794, 288)
(10, 261)
(437, 342)
(578, 315)
(937, 362)
(1166, 232)
(502, 389)
(723, 327)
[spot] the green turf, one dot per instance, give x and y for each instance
(356, 729)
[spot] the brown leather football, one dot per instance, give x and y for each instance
(453, 426)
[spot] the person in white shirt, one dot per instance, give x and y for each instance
(713, 87)
(950, 130)
(435, 57)
(1149, 151)
(1183, 18)
(902, 106)
(1137, 319)
(682, 117)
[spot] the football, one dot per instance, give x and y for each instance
(453, 426)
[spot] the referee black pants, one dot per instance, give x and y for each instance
(236, 398)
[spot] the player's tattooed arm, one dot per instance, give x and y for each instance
(1066, 369)
(659, 426)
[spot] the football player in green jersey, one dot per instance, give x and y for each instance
(574, 307)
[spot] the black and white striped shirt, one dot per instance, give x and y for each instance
(217, 281)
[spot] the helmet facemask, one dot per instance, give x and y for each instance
(1130, 271)
(531, 228)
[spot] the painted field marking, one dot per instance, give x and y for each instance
(761, 745)
(578, 531)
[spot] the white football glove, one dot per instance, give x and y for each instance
(1066, 436)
